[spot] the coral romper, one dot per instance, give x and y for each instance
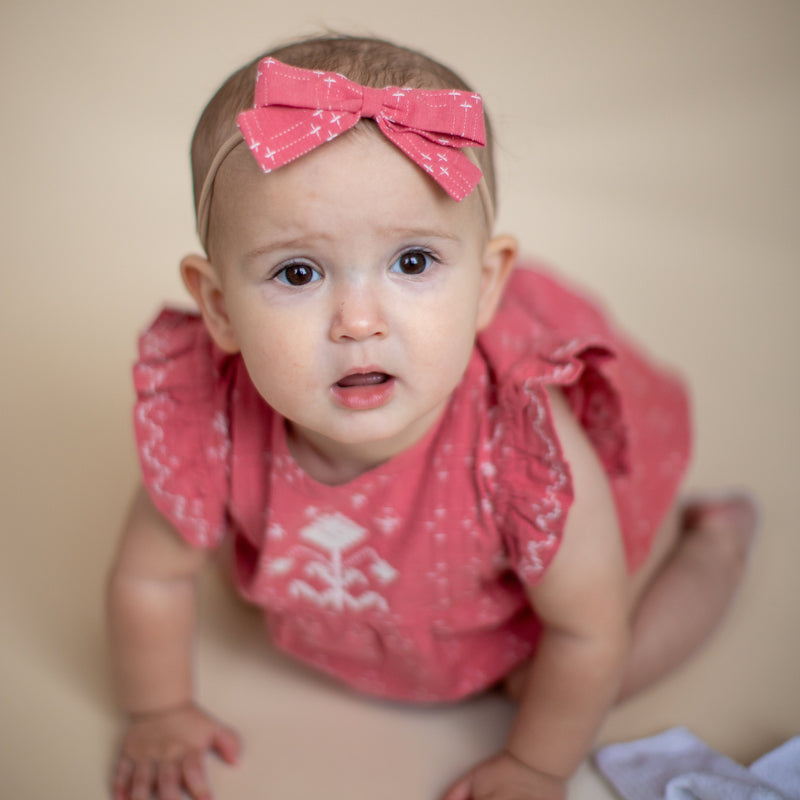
(408, 581)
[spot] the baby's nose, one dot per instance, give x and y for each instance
(358, 315)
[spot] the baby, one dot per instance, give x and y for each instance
(437, 469)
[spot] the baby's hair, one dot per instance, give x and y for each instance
(370, 62)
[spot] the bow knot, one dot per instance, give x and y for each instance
(297, 110)
(371, 102)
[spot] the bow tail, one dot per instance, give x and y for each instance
(445, 163)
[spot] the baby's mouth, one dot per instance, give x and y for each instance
(363, 379)
(363, 391)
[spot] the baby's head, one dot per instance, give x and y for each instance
(351, 281)
(367, 61)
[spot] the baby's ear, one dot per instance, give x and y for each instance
(204, 285)
(499, 258)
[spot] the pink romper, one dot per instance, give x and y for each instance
(408, 582)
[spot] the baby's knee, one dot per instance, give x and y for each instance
(722, 531)
(729, 522)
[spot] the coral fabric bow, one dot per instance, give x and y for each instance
(296, 110)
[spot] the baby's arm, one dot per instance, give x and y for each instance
(151, 608)
(575, 674)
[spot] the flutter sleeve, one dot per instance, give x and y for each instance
(536, 479)
(181, 425)
(634, 413)
(535, 485)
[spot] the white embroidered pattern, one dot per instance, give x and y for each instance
(389, 521)
(152, 414)
(331, 578)
(547, 509)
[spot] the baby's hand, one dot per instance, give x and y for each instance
(504, 777)
(163, 753)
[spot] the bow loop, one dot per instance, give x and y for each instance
(296, 110)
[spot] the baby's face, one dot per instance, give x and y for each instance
(354, 288)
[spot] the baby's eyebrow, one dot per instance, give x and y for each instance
(401, 233)
(290, 243)
(410, 232)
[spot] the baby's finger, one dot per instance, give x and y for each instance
(142, 781)
(121, 779)
(227, 745)
(461, 790)
(169, 782)
(194, 777)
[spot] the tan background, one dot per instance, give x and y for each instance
(650, 149)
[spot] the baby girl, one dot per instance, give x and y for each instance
(436, 468)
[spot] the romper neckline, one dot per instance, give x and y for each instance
(407, 459)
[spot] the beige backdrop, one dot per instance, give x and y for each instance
(649, 149)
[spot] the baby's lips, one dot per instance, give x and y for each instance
(364, 391)
(371, 378)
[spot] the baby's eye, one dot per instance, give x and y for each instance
(297, 274)
(412, 262)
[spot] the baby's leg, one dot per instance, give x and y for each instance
(687, 584)
(683, 590)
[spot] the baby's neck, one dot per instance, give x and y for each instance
(326, 466)
(333, 463)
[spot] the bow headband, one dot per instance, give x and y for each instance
(296, 110)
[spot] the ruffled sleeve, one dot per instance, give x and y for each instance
(545, 335)
(535, 485)
(181, 425)
(634, 411)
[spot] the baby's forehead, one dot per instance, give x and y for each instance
(355, 183)
(345, 161)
